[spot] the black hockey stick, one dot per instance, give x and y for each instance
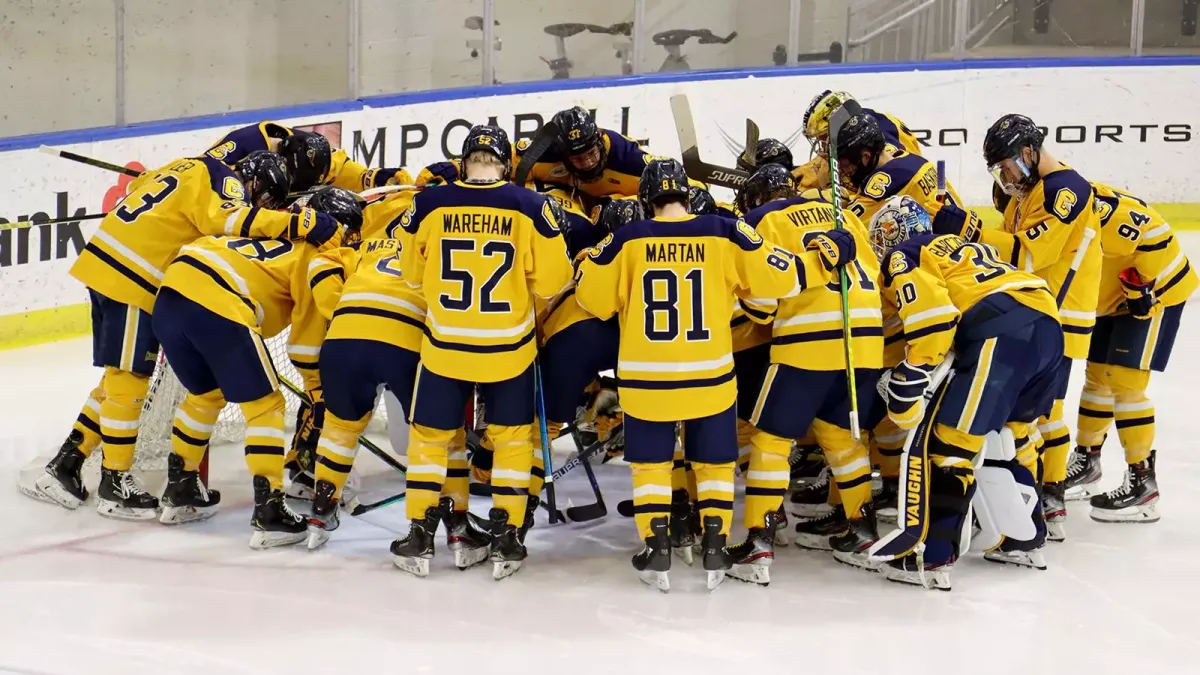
(597, 509)
(537, 147)
(90, 161)
(367, 508)
(695, 167)
(625, 508)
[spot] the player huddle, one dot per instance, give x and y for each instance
(756, 338)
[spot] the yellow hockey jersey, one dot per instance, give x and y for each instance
(1052, 233)
(259, 283)
(478, 252)
(906, 174)
(381, 219)
(672, 282)
(343, 171)
(375, 303)
(1133, 234)
(187, 199)
(935, 281)
(327, 273)
(807, 332)
(748, 333)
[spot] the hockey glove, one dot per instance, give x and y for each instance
(836, 248)
(438, 173)
(316, 227)
(950, 219)
(1139, 294)
(903, 387)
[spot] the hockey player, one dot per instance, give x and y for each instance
(478, 248)
(1145, 280)
(1002, 325)
(220, 299)
(597, 162)
(805, 384)
(875, 170)
(1049, 228)
(671, 280)
(815, 174)
(122, 266)
(310, 161)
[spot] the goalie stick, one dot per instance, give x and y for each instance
(695, 167)
(840, 117)
(749, 152)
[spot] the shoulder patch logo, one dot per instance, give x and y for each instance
(1064, 201)
(553, 213)
(897, 264)
(749, 232)
(523, 144)
(222, 151)
(595, 251)
(232, 188)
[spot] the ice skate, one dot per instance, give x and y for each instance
(852, 546)
(1054, 507)
(121, 497)
(812, 500)
(186, 499)
(274, 522)
(1136, 501)
(507, 550)
(61, 483)
(413, 553)
(653, 562)
(324, 518)
(679, 532)
(909, 570)
(782, 532)
(467, 535)
(752, 558)
(806, 464)
(1083, 474)
(1033, 559)
(815, 534)
(531, 508)
(885, 500)
(300, 483)
(716, 558)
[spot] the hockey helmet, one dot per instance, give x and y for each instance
(662, 178)
(770, 182)
(616, 213)
(343, 205)
(1003, 150)
(490, 139)
(860, 134)
(308, 158)
(265, 176)
(700, 201)
(580, 144)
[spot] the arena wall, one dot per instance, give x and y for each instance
(1131, 123)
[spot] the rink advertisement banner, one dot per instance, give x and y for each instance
(1133, 127)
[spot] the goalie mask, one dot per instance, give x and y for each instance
(308, 159)
(900, 219)
(1004, 151)
(816, 118)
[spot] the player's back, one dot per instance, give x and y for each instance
(807, 331)
(127, 257)
(906, 174)
(480, 252)
(376, 303)
(673, 284)
(896, 132)
(254, 282)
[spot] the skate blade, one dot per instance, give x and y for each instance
(505, 569)
(782, 536)
(751, 574)
(262, 540)
(117, 512)
(715, 579)
(812, 543)
(178, 515)
(658, 580)
(1029, 559)
(859, 560)
(809, 511)
(316, 537)
(1081, 492)
(48, 490)
(685, 554)
(1140, 516)
(466, 558)
(935, 580)
(418, 567)
(1056, 532)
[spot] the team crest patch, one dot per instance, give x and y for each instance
(595, 250)
(552, 211)
(233, 188)
(749, 232)
(406, 217)
(897, 264)
(523, 144)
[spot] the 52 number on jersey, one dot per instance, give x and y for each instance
(465, 300)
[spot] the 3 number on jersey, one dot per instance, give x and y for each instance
(144, 199)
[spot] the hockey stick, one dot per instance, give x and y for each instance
(98, 163)
(537, 147)
(695, 167)
(547, 463)
(596, 509)
(749, 153)
(839, 119)
(70, 219)
(625, 508)
(912, 505)
(367, 508)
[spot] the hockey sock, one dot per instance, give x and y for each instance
(1057, 444)
(745, 432)
(458, 475)
(481, 459)
(1095, 407)
(193, 426)
(768, 478)
(337, 448)
(887, 446)
(679, 471)
(120, 410)
(511, 464)
(651, 493)
(265, 437)
(1134, 412)
(849, 462)
(955, 451)
(88, 422)
(428, 456)
(714, 492)
(1026, 449)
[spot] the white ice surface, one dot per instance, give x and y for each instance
(81, 594)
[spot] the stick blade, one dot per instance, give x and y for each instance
(685, 127)
(582, 514)
(751, 150)
(49, 150)
(625, 508)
